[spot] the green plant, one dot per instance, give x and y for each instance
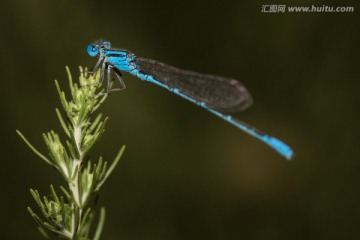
(70, 216)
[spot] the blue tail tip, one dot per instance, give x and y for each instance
(282, 148)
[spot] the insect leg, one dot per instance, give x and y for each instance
(118, 76)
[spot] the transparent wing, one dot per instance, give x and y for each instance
(219, 93)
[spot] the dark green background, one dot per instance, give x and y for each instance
(187, 174)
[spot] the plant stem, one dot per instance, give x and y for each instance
(70, 217)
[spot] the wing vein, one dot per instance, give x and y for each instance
(219, 93)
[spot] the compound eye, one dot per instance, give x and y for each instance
(92, 50)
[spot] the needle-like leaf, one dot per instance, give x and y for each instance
(66, 215)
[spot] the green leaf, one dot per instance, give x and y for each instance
(54, 195)
(34, 149)
(44, 233)
(100, 224)
(112, 167)
(38, 200)
(62, 122)
(86, 222)
(67, 194)
(64, 102)
(74, 153)
(102, 100)
(70, 81)
(36, 218)
(95, 123)
(96, 136)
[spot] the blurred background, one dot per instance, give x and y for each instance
(186, 174)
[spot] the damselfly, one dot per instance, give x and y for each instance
(213, 93)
